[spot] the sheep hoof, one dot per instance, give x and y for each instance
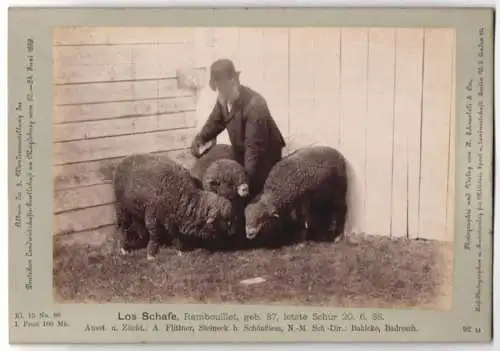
(124, 252)
(340, 238)
(306, 225)
(150, 258)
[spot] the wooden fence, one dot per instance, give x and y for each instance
(383, 96)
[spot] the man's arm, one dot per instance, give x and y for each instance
(213, 126)
(255, 137)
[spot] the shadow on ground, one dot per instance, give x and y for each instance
(368, 271)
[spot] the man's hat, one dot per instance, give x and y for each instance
(222, 69)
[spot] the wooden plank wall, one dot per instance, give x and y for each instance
(383, 96)
(116, 94)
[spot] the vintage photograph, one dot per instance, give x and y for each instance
(304, 166)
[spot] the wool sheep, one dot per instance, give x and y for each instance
(160, 193)
(218, 171)
(311, 183)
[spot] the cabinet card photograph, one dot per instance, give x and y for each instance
(329, 122)
(225, 173)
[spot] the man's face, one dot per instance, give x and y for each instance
(227, 89)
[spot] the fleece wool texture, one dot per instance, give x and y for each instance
(159, 192)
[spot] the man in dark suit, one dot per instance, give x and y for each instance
(256, 139)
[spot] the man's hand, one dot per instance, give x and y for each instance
(207, 146)
(195, 146)
(198, 147)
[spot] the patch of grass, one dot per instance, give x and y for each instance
(367, 271)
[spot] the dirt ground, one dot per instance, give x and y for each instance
(367, 271)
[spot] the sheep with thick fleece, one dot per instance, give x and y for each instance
(310, 183)
(218, 171)
(160, 193)
(273, 232)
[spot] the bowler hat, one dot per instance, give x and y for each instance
(222, 69)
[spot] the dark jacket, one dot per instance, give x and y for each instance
(254, 135)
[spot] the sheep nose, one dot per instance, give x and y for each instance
(243, 190)
(251, 233)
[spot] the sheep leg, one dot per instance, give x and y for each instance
(137, 235)
(320, 219)
(340, 219)
(128, 244)
(316, 226)
(305, 218)
(151, 223)
(123, 223)
(179, 245)
(316, 220)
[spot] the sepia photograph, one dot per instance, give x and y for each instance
(293, 166)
